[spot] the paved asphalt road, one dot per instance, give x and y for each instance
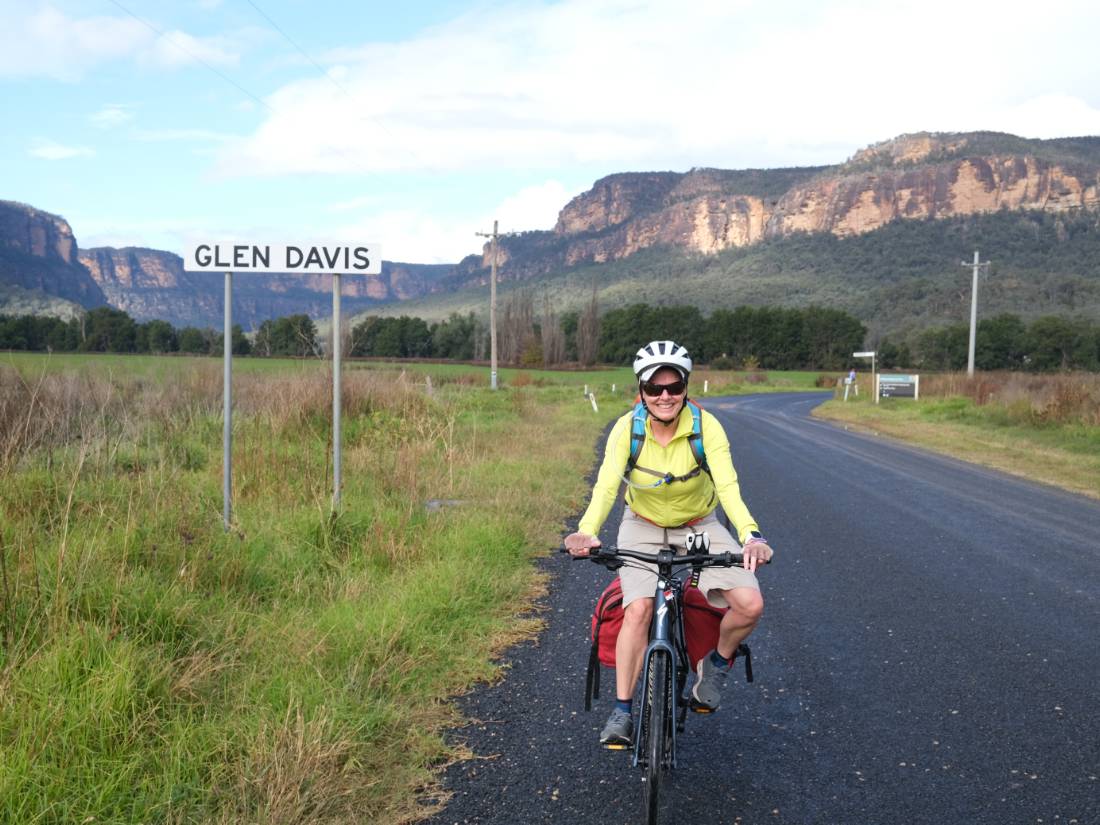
(930, 653)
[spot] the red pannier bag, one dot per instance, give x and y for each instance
(701, 624)
(701, 628)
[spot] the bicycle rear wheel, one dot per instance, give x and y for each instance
(658, 719)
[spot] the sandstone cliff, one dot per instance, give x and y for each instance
(40, 261)
(928, 176)
(38, 253)
(708, 210)
(150, 283)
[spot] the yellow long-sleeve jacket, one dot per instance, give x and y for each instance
(676, 503)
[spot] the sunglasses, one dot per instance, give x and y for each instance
(655, 390)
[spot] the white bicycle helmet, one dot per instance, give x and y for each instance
(657, 354)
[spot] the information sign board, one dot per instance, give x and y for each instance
(898, 386)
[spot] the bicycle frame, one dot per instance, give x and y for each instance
(666, 633)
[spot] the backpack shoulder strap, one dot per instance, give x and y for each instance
(637, 434)
(696, 437)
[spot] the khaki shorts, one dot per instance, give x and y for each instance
(635, 533)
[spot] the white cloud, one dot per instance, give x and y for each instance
(661, 84)
(41, 41)
(38, 40)
(534, 207)
(355, 204)
(415, 236)
(425, 237)
(51, 150)
(177, 48)
(183, 135)
(1049, 116)
(112, 115)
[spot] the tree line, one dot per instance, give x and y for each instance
(1003, 342)
(753, 337)
(105, 329)
(768, 337)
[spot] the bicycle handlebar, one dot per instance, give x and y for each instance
(602, 555)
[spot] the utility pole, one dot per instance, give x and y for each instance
(976, 265)
(493, 301)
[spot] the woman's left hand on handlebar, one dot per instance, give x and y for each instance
(578, 544)
(755, 552)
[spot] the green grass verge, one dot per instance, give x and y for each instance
(1065, 455)
(157, 669)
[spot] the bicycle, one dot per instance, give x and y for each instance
(665, 665)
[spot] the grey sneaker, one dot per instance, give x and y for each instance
(619, 730)
(709, 682)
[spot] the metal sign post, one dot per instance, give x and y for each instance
(305, 259)
(227, 405)
(336, 391)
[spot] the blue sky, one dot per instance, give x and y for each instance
(413, 125)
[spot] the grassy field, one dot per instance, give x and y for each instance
(33, 364)
(157, 669)
(146, 366)
(1041, 427)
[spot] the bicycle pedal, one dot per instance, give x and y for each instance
(617, 746)
(703, 709)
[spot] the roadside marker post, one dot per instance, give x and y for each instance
(874, 379)
(288, 259)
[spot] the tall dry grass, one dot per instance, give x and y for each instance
(59, 409)
(156, 668)
(1064, 398)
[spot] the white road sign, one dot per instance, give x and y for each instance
(304, 259)
(862, 354)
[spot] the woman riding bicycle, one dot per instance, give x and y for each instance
(670, 495)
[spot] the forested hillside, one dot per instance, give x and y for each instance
(898, 280)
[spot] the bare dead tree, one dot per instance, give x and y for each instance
(517, 324)
(588, 332)
(553, 338)
(481, 341)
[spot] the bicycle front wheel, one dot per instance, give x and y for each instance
(658, 718)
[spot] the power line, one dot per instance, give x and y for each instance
(408, 153)
(301, 51)
(193, 56)
(270, 109)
